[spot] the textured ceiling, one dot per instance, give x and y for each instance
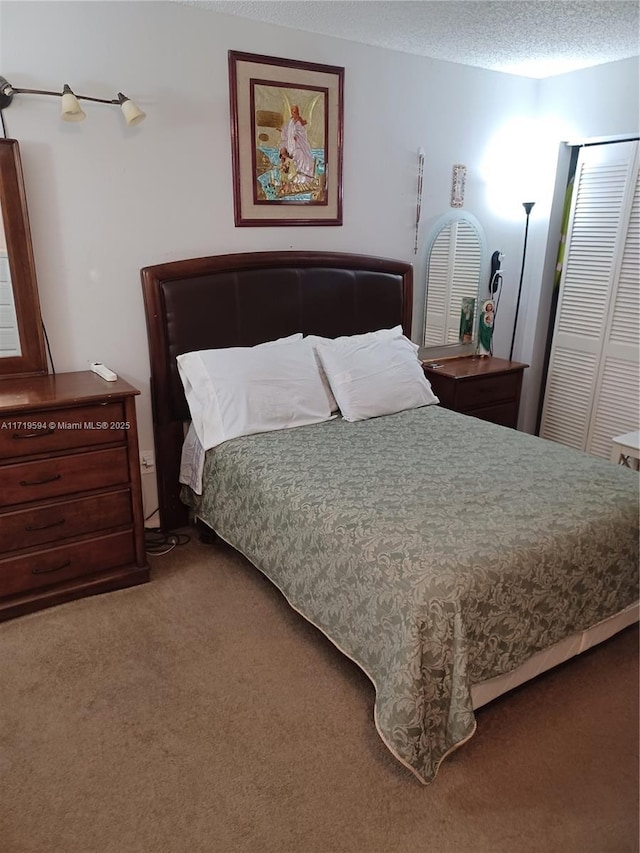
(536, 38)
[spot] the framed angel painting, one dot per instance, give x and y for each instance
(286, 134)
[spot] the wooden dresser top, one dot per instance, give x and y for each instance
(55, 389)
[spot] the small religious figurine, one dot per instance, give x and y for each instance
(485, 328)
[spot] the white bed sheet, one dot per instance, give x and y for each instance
(192, 461)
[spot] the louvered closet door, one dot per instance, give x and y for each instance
(617, 406)
(592, 384)
(454, 261)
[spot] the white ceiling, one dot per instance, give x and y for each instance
(535, 38)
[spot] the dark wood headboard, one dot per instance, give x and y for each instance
(246, 299)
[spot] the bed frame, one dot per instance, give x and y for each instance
(246, 299)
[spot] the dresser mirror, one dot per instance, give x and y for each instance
(456, 259)
(22, 350)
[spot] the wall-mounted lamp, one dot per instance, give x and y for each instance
(70, 107)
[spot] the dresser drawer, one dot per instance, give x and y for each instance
(63, 475)
(51, 430)
(28, 528)
(485, 390)
(42, 568)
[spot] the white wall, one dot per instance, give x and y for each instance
(106, 200)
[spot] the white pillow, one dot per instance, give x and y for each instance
(376, 377)
(244, 390)
(346, 342)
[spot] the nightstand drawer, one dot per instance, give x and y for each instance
(47, 431)
(28, 528)
(486, 390)
(63, 475)
(504, 414)
(42, 568)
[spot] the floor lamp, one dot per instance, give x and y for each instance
(528, 205)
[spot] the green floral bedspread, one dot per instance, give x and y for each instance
(434, 549)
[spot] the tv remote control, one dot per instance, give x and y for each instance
(103, 371)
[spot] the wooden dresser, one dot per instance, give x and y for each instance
(71, 519)
(487, 388)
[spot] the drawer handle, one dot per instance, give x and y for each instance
(31, 528)
(55, 569)
(39, 434)
(41, 482)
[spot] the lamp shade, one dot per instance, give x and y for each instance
(132, 113)
(70, 108)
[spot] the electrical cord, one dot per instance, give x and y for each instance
(157, 543)
(46, 338)
(495, 290)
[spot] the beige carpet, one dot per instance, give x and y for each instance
(200, 713)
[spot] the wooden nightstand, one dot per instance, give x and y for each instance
(487, 388)
(71, 519)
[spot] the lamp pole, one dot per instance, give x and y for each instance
(528, 205)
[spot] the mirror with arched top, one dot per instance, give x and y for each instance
(22, 351)
(456, 252)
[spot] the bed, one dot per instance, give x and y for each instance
(450, 558)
